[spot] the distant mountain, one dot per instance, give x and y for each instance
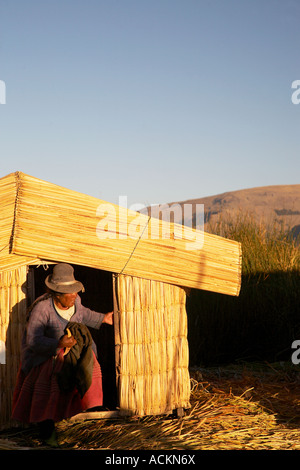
(268, 203)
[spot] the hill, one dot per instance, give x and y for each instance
(280, 204)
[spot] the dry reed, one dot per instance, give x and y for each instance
(238, 407)
(56, 224)
(234, 408)
(12, 321)
(151, 325)
(8, 192)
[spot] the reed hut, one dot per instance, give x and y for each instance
(126, 262)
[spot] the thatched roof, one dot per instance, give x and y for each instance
(43, 221)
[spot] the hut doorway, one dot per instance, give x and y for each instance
(98, 296)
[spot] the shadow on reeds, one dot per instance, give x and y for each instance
(263, 321)
(10, 367)
(261, 324)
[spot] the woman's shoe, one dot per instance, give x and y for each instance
(52, 440)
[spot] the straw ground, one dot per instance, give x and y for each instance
(236, 407)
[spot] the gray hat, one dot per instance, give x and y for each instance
(62, 280)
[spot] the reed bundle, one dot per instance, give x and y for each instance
(12, 321)
(247, 407)
(238, 408)
(8, 193)
(56, 224)
(152, 360)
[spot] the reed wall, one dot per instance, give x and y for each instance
(12, 322)
(152, 348)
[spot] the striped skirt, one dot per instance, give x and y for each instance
(37, 396)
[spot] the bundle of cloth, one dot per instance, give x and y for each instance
(77, 369)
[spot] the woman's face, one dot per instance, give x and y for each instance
(65, 301)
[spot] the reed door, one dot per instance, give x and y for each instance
(151, 346)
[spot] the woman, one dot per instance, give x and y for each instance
(38, 397)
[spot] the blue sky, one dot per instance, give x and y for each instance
(158, 100)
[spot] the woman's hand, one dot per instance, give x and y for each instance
(67, 341)
(108, 318)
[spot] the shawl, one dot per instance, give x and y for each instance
(77, 369)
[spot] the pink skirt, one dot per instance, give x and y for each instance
(37, 395)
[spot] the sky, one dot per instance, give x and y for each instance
(152, 100)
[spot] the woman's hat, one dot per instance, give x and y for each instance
(62, 280)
